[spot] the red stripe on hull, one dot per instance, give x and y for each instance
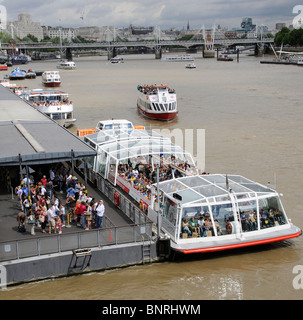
(239, 245)
(159, 116)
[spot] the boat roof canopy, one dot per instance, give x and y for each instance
(125, 144)
(194, 190)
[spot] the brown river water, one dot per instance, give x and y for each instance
(252, 115)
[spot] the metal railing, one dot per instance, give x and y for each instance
(37, 246)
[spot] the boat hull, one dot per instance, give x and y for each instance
(214, 246)
(17, 77)
(52, 84)
(162, 116)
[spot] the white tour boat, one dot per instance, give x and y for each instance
(157, 102)
(178, 58)
(53, 103)
(190, 66)
(116, 60)
(198, 212)
(110, 125)
(300, 62)
(65, 64)
(115, 124)
(51, 78)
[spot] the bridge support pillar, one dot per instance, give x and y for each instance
(111, 53)
(68, 54)
(158, 53)
(256, 50)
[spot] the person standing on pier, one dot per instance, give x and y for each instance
(99, 214)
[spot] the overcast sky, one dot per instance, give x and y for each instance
(162, 13)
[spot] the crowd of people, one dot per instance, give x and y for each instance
(153, 89)
(47, 102)
(42, 208)
(200, 226)
(141, 176)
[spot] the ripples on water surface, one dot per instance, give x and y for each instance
(253, 116)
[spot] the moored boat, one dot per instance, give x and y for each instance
(30, 74)
(3, 67)
(190, 66)
(224, 57)
(17, 74)
(300, 62)
(116, 60)
(110, 125)
(51, 78)
(198, 212)
(157, 102)
(19, 59)
(53, 103)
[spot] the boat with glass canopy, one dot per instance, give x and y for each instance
(199, 212)
(206, 213)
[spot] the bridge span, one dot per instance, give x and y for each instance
(153, 44)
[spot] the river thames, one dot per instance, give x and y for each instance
(252, 114)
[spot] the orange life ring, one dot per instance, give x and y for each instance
(143, 206)
(229, 228)
(116, 199)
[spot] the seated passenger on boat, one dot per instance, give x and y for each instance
(194, 225)
(146, 89)
(186, 227)
(264, 219)
(141, 176)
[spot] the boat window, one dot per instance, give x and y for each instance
(271, 213)
(101, 163)
(248, 215)
(223, 217)
(112, 170)
(170, 210)
(196, 222)
(108, 126)
(57, 116)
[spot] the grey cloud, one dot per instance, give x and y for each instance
(169, 13)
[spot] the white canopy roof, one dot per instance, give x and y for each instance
(212, 188)
(125, 144)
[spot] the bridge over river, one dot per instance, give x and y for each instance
(156, 45)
